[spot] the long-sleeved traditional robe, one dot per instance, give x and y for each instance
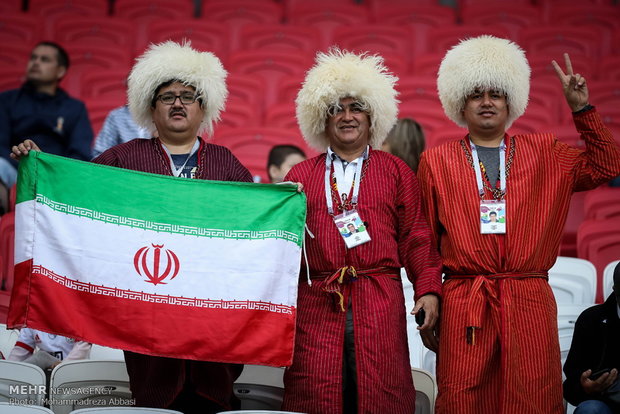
(390, 206)
(157, 381)
(498, 345)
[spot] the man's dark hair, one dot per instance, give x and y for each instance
(61, 54)
(617, 277)
(168, 83)
(493, 213)
(278, 154)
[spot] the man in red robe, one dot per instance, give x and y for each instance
(176, 92)
(351, 350)
(498, 344)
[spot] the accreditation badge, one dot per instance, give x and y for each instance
(351, 228)
(492, 217)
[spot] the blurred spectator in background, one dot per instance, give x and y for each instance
(281, 159)
(406, 141)
(119, 127)
(42, 111)
(47, 350)
(593, 360)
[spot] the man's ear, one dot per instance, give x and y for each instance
(62, 71)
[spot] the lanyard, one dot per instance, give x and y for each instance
(177, 171)
(502, 167)
(356, 181)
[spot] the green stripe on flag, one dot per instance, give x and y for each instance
(162, 203)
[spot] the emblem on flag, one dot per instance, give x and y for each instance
(140, 262)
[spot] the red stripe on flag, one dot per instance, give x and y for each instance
(218, 335)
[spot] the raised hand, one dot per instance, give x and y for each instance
(574, 85)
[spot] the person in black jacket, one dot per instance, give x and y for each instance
(595, 348)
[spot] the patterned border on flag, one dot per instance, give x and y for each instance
(167, 228)
(38, 270)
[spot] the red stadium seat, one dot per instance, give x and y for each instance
(553, 41)
(237, 13)
(85, 58)
(104, 84)
(10, 6)
(279, 38)
(381, 39)
(205, 36)
(542, 68)
(55, 8)
(602, 203)
(247, 88)
(418, 89)
(271, 67)
(94, 31)
(427, 64)
(547, 93)
(440, 39)
(601, 17)
(281, 115)
(326, 16)
(150, 10)
(16, 55)
(512, 17)
(252, 145)
(289, 88)
(568, 246)
(418, 16)
(609, 68)
(599, 242)
(20, 27)
(11, 77)
(238, 114)
(430, 116)
(605, 93)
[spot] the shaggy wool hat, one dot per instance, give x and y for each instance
(340, 74)
(170, 61)
(484, 62)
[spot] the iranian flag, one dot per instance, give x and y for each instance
(158, 265)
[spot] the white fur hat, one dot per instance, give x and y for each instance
(485, 62)
(171, 61)
(340, 74)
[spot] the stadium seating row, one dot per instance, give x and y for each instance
(99, 383)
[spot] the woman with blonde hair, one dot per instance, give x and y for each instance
(406, 141)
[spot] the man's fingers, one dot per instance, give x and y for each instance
(429, 340)
(569, 65)
(558, 70)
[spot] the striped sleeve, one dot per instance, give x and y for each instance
(599, 163)
(415, 244)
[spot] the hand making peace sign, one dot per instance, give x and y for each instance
(574, 85)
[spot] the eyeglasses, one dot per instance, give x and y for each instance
(187, 98)
(354, 107)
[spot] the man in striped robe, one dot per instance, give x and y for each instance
(177, 92)
(498, 343)
(351, 350)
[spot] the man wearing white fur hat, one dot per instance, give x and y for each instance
(351, 350)
(177, 92)
(498, 344)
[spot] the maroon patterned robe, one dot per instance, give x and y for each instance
(390, 206)
(157, 381)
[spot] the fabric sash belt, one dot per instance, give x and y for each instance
(481, 293)
(338, 284)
